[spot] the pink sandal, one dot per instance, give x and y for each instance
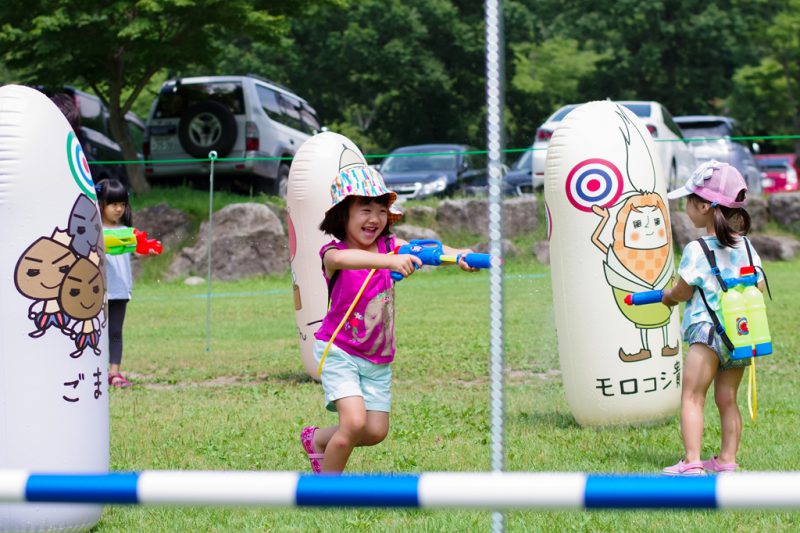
(118, 380)
(712, 465)
(693, 469)
(307, 438)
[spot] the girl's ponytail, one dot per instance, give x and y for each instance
(731, 222)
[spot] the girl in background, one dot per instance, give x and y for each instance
(115, 210)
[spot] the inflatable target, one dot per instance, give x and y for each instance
(594, 182)
(79, 166)
(318, 161)
(610, 236)
(53, 355)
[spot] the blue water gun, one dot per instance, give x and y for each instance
(652, 297)
(430, 252)
(644, 297)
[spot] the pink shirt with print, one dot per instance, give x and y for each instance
(369, 330)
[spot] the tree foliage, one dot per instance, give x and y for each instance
(395, 72)
(683, 53)
(116, 46)
(766, 95)
(549, 74)
(398, 71)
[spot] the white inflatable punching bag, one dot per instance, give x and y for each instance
(609, 237)
(308, 196)
(53, 354)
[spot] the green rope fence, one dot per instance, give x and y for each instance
(427, 154)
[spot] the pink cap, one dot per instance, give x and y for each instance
(719, 183)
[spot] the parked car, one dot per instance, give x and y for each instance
(246, 117)
(676, 157)
(711, 137)
(520, 179)
(778, 172)
(434, 169)
(95, 133)
(542, 140)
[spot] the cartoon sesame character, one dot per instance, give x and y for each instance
(85, 226)
(38, 275)
(81, 296)
(639, 258)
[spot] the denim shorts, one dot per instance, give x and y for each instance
(703, 333)
(346, 375)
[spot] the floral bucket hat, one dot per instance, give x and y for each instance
(362, 180)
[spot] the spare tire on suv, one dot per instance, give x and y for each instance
(207, 126)
(254, 125)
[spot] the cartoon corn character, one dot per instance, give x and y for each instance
(639, 257)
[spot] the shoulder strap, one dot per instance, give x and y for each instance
(749, 252)
(719, 328)
(712, 260)
(750, 257)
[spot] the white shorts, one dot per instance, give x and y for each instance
(346, 375)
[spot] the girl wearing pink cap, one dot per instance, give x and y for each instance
(716, 194)
(357, 343)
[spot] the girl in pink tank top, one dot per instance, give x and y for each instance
(356, 375)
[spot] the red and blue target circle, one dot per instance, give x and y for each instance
(742, 327)
(594, 182)
(79, 166)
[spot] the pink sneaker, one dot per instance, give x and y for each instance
(307, 439)
(712, 465)
(693, 469)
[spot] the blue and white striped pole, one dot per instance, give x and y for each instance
(489, 491)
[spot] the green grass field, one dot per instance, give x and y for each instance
(241, 405)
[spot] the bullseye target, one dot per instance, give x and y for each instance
(79, 166)
(594, 182)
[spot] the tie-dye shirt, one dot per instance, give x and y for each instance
(696, 271)
(369, 330)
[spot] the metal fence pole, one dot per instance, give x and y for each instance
(494, 138)
(212, 156)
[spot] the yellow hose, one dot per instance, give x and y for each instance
(344, 319)
(752, 394)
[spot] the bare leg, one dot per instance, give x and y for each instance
(352, 425)
(726, 385)
(698, 373)
(376, 430)
(357, 427)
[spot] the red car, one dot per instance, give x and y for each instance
(778, 172)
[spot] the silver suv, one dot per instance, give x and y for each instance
(257, 122)
(714, 137)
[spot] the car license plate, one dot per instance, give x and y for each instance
(767, 182)
(164, 144)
